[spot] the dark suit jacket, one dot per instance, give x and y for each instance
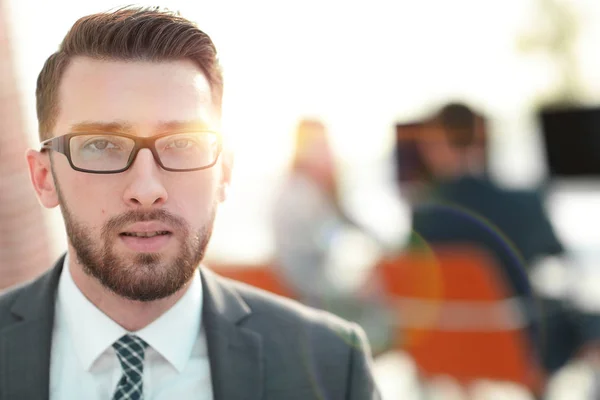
(512, 225)
(260, 346)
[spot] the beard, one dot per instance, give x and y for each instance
(149, 276)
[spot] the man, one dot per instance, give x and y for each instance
(129, 118)
(465, 207)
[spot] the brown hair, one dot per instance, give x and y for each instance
(462, 125)
(130, 33)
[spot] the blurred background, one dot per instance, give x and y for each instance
(441, 160)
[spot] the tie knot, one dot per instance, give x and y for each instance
(130, 351)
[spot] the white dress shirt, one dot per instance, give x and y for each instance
(84, 364)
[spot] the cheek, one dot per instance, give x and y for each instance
(194, 201)
(89, 201)
(94, 192)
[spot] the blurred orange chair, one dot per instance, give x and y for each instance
(260, 276)
(457, 317)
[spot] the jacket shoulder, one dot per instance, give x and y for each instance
(34, 298)
(285, 310)
(7, 300)
(326, 345)
(286, 320)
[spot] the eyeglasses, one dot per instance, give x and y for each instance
(110, 153)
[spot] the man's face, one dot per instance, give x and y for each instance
(141, 232)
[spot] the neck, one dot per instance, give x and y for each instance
(130, 314)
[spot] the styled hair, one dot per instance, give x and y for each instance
(126, 34)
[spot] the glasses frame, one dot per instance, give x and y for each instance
(61, 144)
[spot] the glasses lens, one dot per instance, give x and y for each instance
(188, 150)
(100, 152)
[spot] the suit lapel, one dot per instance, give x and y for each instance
(25, 345)
(235, 353)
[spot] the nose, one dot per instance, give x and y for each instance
(145, 188)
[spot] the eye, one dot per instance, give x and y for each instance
(181, 143)
(191, 143)
(101, 144)
(184, 143)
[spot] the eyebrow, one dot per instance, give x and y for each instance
(108, 127)
(128, 128)
(170, 126)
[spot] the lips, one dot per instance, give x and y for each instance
(145, 234)
(147, 229)
(146, 237)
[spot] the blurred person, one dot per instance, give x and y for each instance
(322, 253)
(462, 205)
(129, 112)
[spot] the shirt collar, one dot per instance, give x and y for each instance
(172, 335)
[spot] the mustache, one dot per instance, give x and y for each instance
(118, 222)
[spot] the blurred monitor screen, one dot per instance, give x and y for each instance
(572, 142)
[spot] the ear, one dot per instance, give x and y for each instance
(226, 166)
(40, 173)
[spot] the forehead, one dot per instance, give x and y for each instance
(141, 93)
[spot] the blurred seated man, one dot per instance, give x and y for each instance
(463, 206)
